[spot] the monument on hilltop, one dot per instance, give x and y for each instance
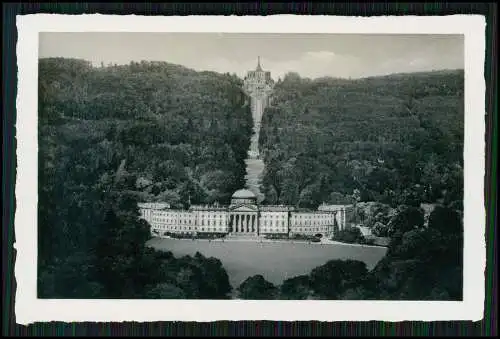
(258, 85)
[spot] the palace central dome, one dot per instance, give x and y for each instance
(244, 194)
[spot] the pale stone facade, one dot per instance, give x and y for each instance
(244, 217)
(316, 222)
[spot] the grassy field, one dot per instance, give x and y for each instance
(275, 261)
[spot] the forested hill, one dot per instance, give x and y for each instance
(390, 138)
(112, 136)
(183, 134)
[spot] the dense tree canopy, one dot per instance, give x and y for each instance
(187, 132)
(111, 136)
(424, 263)
(257, 288)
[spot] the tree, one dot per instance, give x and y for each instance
(165, 291)
(70, 277)
(215, 281)
(380, 230)
(407, 218)
(350, 235)
(257, 288)
(445, 220)
(423, 263)
(356, 293)
(296, 288)
(122, 263)
(414, 243)
(337, 198)
(330, 280)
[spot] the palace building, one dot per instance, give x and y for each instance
(244, 216)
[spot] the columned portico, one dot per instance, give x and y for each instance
(243, 223)
(243, 213)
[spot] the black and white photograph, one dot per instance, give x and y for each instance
(253, 167)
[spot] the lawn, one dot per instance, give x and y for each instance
(275, 261)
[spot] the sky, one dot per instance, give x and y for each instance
(310, 55)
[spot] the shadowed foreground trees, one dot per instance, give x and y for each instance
(257, 288)
(421, 264)
(328, 281)
(296, 288)
(112, 136)
(121, 266)
(165, 291)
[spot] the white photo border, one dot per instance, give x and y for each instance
(30, 309)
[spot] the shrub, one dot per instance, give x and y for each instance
(406, 219)
(380, 230)
(369, 241)
(350, 235)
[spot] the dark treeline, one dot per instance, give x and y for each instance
(422, 263)
(393, 139)
(111, 136)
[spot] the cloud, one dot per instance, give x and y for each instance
(311, 64)
(315, 64)
(320, 55)
(418, 62)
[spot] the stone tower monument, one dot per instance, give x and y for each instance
(258, 85)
